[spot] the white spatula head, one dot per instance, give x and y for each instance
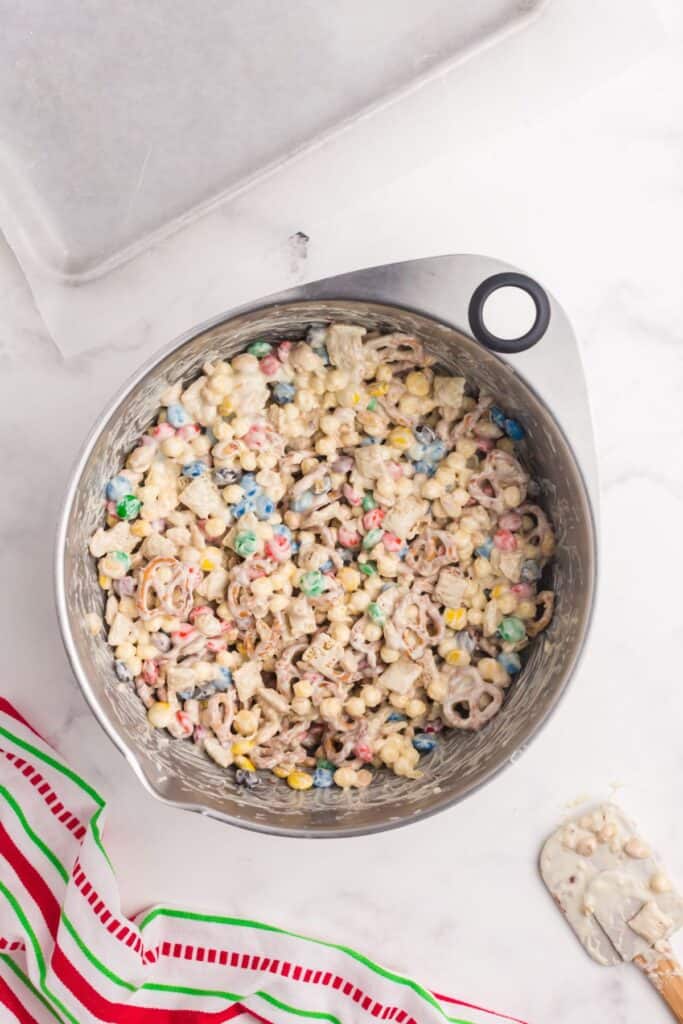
(610, 886)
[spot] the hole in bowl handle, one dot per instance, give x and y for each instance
(509, 346)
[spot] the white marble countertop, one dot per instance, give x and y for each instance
(590, 201)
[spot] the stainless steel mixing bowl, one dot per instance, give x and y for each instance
(175, 771)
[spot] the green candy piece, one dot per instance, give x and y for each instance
(246, 543)
(260, 349)
(372, 537)
(512, 629)
(376, 613)
(372, 405)
(312, 583)
(368, 503)
(123, 557)
(323, 763)
(129, 507)
(367, 568)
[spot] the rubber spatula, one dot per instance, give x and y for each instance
(616, 896)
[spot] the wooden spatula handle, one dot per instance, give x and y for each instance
(667, 977)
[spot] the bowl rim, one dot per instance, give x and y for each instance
(128, 752)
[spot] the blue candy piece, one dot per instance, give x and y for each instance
(435, 451)
(514, 430)
(284, 531)
(195, 468)
(530, 571)
(465, 641)
(396, 716)
(424, 434)
(206, 691)
(283, 392)
(323, 778)
(186, 694)
(321, 350)
(225, 477)
(294, 547)
(118, 487)
(485, 549)
(422, 466)
(123, 672)
(223, 680)
(403, 552)
(177, 415)
(249, 485)
(327, 565)
(425, 742)
(263, 506)
(366, 440)
(497, 416)
(303, 502)
(510, 661)
(211, 436)
(248, 779)
(242, 507)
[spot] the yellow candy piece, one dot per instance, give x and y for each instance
(141, 528)
(244, 763)
(498, 591)
(225, 408)
(282, 770)
(417, 384)
(299, 780)
(355, 398)
(104, 582)
(207, 565)
(242, 747)
(377, 390)
(240, 648)
(457, 657)
(455, 618)
(401, 438)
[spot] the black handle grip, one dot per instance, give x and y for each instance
(509, 280)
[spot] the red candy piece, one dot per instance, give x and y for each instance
(278, 548)
(363, 752)
(150, 672)
(216, 644)
(348, 538)
(283, 350)
(185, 723)
(352, 496)
(162, 431)
(522, 590)
(373, 518)
(392, 542)
(194, 575)
(189, 431)
(269, 365)
(182, 636)
(505, 540)
(435, 726)
(510, 521)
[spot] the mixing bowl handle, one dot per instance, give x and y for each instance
(509, 346)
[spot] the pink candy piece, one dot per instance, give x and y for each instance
(216, 644)
(201, 609)
(395, 470)
(162, 431)
(185, 723)
(352, 496)
(522, 590)
(255, 437)
(283, 350)
(199, 733)
(269, 365)
(505, 540)
(392, 542)
(348, 538)
(485, 444)
(182, 636)
(363, 752)
(278, 548)
(194, 575)
(150, 672)
(373, 518)
(510, 521)
(188, 432)
(111, 508)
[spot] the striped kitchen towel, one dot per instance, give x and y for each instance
(68, 953)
